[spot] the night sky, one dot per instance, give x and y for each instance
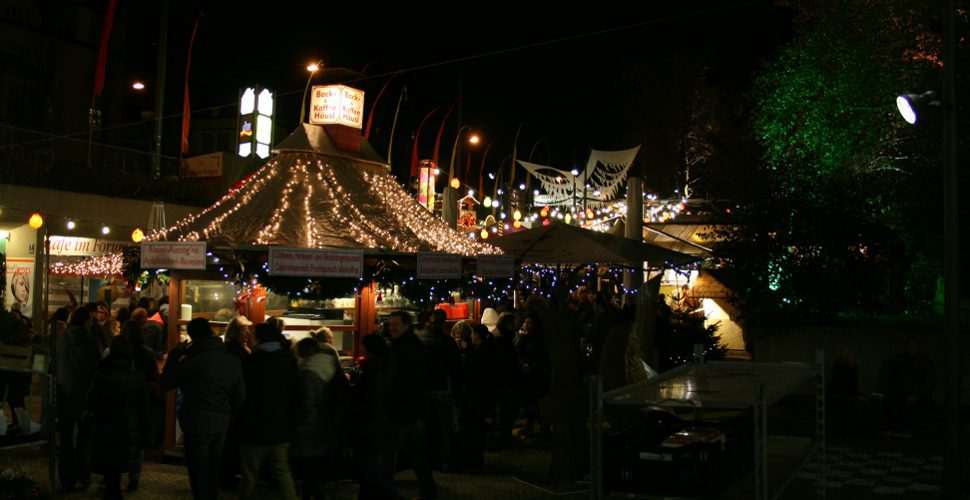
(554, 72)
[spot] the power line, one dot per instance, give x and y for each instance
(677, 17)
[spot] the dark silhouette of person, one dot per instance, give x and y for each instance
(912, 378)
(213, 390)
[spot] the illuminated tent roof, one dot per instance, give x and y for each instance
(314, 195)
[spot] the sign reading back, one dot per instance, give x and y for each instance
(173, 255)
(337, 104)
(438, 266)
(327, 263)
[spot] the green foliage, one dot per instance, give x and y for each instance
(850, 220)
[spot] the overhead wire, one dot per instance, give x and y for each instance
(73, 136)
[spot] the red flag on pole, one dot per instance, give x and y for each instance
(109, 17)
(437, 142)
(185, 101)
(414, 149)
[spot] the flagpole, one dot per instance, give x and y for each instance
(160, 89)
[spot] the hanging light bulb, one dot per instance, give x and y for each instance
(137, 235)
(70, 224)
(35, 221)
(105, 230)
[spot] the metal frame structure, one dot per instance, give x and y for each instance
(719, 385)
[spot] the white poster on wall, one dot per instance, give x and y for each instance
(20, 280)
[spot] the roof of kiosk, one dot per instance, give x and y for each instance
(312, 194)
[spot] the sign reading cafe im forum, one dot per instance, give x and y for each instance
(173, 255)
(329, 263)
(337, 104)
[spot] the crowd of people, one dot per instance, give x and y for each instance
(253, 406)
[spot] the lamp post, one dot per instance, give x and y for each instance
(449, 197)
(312, 68)
(575, 173)
(910, 106)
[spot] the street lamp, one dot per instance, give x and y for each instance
(472, 139)
(312, 68)
(911, 106)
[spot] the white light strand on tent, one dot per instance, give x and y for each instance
(102, 265)
(354, 222)
(426, 226)
(250, 189)
(268, 233)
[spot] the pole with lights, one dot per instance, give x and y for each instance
(911, 107)
(312, 68)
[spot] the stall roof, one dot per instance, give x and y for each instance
(314, 195)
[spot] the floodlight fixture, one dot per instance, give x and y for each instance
(911, 106)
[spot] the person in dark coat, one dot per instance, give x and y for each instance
(912, 378)
(408, 404)
(534, 364)
(367, 420)
(117, 403)
(507, 374)
(479, 394)
(315, 415)
(237, 339)
(266, 422)
(213, 389)
(444, 384)
(78, 353)
(144, 359)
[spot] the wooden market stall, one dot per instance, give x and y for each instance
(323, 192)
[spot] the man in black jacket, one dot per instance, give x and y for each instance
(407, 406)
(444, 384)
(266, 423)
(213, 389)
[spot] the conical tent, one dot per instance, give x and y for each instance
(560, 243)
(314, 195)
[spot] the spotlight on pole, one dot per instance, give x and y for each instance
(911, 106)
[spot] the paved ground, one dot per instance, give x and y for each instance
(856, 469)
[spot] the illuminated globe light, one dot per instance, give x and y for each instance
(70, 224)
(522, 187)
(484, 234)
(516, 224)
(545, 222)
(517, 215)
(487, 201)
(495, 203)
(35, 221)
(137, 235)
(105, 230)
(455, 183)
(569, 218)
(544, 212)
(138, 86)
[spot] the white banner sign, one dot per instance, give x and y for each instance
(337, 104)
(209, 165)
(438, 266)
(173, 255)
(71, 245)
(328, 263)
(496, 266)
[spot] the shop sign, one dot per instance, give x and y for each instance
(64, 246)
(438, 266)
(337, 105)
(496, 266)
(327, 263)
(209, 165)
(173, 255)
